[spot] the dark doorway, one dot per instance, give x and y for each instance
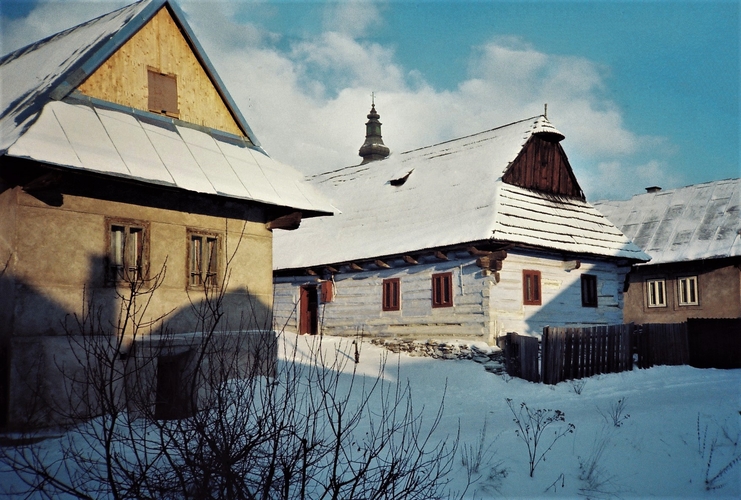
(173, 388)
(309, 310)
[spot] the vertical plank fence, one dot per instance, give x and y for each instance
(714, 343)
(661, 344)
(572, 353)
(521, 357)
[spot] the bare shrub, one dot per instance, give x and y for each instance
(242, 424)
(597, 482)
(578, 385)
(615, 414)
(722, 445)
(531, 424)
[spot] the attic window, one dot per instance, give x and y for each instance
(163, 93)
(401, 180)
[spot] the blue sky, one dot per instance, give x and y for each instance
(646, 92)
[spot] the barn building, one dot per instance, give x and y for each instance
(125, 163)
(467, 239)
(693, 235)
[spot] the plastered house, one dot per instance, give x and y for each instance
(124, 160)
(693, 235)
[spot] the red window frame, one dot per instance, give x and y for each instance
(531, 288)
(442, 290)
(391, 300)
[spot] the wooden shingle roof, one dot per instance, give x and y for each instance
(444, 195)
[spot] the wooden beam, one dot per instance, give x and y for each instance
(382, 264)
(570, 265)
(44, 181)
(475, 251)
(310, 272)
(489, 263)
(410, 260)
(354, 266)
(441, 256)
(331, 269)
(288, 222)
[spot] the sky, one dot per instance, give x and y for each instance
(646, 92)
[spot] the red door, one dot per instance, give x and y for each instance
(308, 310)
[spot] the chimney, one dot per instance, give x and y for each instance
(653, 189)
(373, 148)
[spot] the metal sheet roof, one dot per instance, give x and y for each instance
(702, 221)
(454, 194)
(86, 137)
(41, 118)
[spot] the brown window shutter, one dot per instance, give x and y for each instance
(163, 93)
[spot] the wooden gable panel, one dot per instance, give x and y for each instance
(161, 47)
(543, 166)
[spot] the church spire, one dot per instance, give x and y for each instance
(373, 148)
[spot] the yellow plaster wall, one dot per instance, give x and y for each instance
(160, 45)
(60, 264)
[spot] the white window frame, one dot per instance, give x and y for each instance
(687, 291)
(656, 293)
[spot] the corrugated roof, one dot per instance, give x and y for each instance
(453, 193)
(702, 221)
(89, 134)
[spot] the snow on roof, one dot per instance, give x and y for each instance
(29, 75)
(95, 136)
(443, 195)
(163, 151)
(702, 221)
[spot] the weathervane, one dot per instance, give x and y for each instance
(373, 98)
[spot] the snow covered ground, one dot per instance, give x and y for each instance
(656, 451)
(676, 434)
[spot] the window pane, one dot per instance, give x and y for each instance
(195, 260)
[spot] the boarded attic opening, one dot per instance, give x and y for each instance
(163, 93)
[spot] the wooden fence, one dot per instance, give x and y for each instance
(521, 357)
(714, 343)
(661, 344)
(572, 353)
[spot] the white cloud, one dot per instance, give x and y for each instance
(353, 18)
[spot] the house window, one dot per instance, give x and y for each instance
(688, 291)
(203, 259)
(391, 294)
(127, 259)
(656, 293)
(163, 93)
(588, 290)
(531, 288)
(442, 290)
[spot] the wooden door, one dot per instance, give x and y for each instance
(309, 309)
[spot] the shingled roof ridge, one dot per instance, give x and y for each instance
(471, 135)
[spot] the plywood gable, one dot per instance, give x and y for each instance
(542, 165)
(160, 49)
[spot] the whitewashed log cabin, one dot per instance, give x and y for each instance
(467, 239)
(122, 155)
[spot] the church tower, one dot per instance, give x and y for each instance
(373, 148)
